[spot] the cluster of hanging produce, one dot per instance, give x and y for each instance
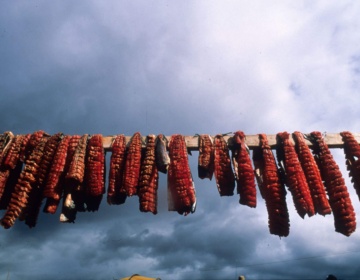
(69, 171)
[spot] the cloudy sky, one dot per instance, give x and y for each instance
(180, 67)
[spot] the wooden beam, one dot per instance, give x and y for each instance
(333, 140)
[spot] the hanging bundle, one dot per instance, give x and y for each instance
(36, 167)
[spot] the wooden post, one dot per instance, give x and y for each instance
(333, 140)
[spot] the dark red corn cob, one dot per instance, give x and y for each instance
(132, 165)
(5, 141)
(55, 182)
(8, 166)
(36, 195)
(339, 198)
(76, 174)
(271, 188)
(10, 185)
(74, 194)
(47, 159)
(206, 157)
(4, 175)
(94, 172)
(244, 172)
(13, 155)
(76, 170)
(24, 146)
(295, 177)
(28, 145)
(181, 188)
(24, 185)
(117, 164)
(352, 156)
(148, 183)
(53, 188)
(94, 166)
(225, 179)
(312, 174)
(8, 146)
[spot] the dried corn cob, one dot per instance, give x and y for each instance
(344, 215)
(28, 145)
(225, 179)
(244, 172)
(10, 185)
(77, 166)
(25, 183)
(117, 164)
(94, 172)
(24, 147)
(295, 177)
(132, 165)
(13, 155)
(31, 211)
(352, 155)
(9, 167)
(148, 183)
(181, 188)
(8, 144)
(312, 174)
(53, 188)
(56, 186)
(5, 141)
(271, 188)
(206, 157)
(74, 194)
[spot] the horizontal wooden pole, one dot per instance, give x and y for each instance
(333, 140)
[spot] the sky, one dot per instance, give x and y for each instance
(180, 67)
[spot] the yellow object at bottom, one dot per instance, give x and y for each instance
(139, 277)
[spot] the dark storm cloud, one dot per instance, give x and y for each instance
(83, 70)
(188, 243)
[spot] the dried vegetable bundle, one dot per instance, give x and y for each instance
(54, 186)
(24, 146)
(11, 166)
(148, 182)
(32, 209)
(352, 156)
(63, 188)
(312, 174)
(117, 165)
(5, 142)
(24, 185)
(29, 144)
(244, 172)
(12, 156)
(12, 163)
(72, 168)
(271, 188)
(181, 187)
(206, 157)
(94, 178)
(294, 175)
(9, 147)
(344, 215)
(224, 176)
(132, 165)
(74, 194)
